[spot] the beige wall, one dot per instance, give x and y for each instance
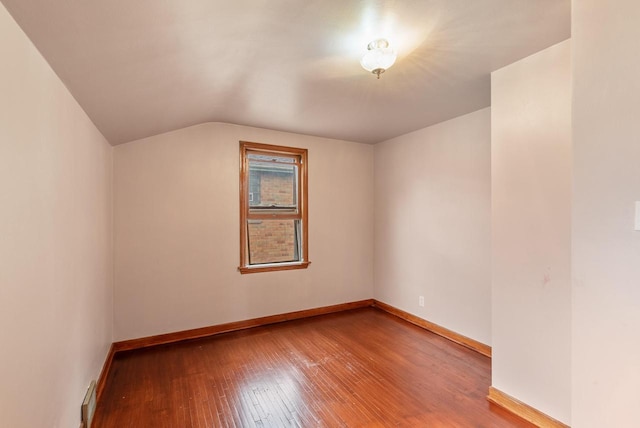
(606, 249)
(55, 242)
(432, 224)
(531, 230)
(176, 231)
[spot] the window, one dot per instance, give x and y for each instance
(273, 208)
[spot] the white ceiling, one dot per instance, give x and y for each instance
(143, 67)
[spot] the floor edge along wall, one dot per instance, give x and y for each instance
(523, 410)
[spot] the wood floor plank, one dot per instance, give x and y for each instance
(359, 368)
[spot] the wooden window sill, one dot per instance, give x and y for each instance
(273, 267)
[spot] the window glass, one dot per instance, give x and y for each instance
(273, 241)
(272, 186)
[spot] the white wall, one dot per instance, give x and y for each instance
(177, 225)
(432, 224)
(531, 230)
(606, 249)
(55, 242)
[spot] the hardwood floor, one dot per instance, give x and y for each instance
(360, 368)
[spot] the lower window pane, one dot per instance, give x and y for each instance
(273, 241)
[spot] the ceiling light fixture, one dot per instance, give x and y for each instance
(379, 57)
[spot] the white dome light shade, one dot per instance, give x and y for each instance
(379, 57)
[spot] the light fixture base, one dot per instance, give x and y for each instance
(378, 44)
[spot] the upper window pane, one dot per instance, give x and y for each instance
(273, 186)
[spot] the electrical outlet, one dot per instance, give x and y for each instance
(421, 301)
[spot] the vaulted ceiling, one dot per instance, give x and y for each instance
(143, 67)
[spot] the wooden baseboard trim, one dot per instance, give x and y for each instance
(435, 328)
(196, 333)
(106, 367)
(523, 410)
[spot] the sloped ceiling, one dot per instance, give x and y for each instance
(143, 67)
